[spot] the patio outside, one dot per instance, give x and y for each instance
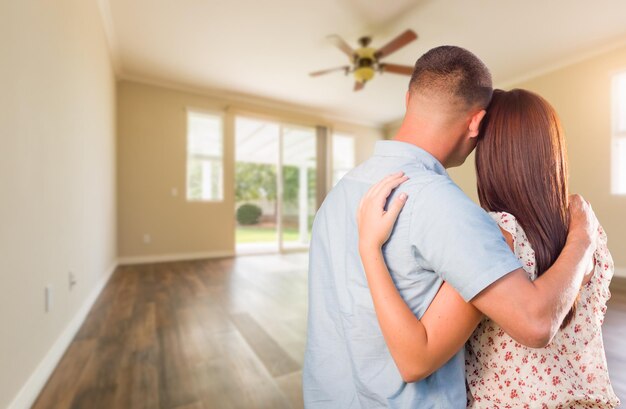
(264, 208)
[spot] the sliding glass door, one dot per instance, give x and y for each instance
(299, 164)
(275, 185)
(256, 185)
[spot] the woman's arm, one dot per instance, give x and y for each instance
(418, 348)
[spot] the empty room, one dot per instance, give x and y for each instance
(331, 204)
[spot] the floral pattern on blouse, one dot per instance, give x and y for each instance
(570, 372)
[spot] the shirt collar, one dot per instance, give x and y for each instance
(407, 150)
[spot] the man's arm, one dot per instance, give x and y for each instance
(459, 241)
(532, 312)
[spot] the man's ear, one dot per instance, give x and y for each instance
(406, 100)
(474, 125)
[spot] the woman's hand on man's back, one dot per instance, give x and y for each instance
(375, 223)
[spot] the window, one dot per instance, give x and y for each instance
(343, 155)
(619, 135)
(205, 157)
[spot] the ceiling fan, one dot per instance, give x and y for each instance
(365, 60)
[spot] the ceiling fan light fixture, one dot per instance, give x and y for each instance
(363, 74)
(365, 61)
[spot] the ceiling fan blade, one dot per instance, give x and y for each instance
(398, 42)
(345, 68)
(342, 45)
(397, 69)
(358, 85)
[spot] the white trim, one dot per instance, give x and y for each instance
(620, 272)
(161, 258)
(206, 111)
(280, 186)
(546, 69)
(221, 116)
(563, 63)
(104, 6)
(37, 380)
(232, 98)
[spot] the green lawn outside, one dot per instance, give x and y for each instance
(256, 234)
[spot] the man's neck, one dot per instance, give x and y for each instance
(425, 137)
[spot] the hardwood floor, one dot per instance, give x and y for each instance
(614, 334)
(226, 333)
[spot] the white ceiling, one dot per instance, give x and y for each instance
(267, 48)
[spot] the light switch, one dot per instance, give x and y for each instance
(48, 302)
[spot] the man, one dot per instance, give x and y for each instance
(440, 235)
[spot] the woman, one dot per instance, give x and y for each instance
(522, 181)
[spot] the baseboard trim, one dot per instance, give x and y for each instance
(163, 258)
(33, 386)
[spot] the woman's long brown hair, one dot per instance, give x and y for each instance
(521, 167)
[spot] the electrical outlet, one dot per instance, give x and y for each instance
(48, 300)
(71, 279)
(174, 192)
(147, 239)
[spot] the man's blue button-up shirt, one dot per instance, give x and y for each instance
(440, 235)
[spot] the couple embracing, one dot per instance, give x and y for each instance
(419, 298)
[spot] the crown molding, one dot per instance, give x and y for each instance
(544, 70)
(563, 63)
(106, 16)
(234, 98)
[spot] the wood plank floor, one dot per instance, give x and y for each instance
(226, 333)
(614, 334)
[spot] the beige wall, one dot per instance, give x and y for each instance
(152, 162)
(581, 94)
(57, 174)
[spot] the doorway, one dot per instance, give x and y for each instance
(275, 185)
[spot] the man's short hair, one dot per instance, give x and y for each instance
(454, 72)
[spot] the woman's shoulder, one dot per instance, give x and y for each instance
(508, 223)
(503, 218)
(517, 240)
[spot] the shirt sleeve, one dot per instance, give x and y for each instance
(457, 239)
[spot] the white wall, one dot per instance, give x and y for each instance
(57, 180)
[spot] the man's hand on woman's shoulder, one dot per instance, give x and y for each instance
(583, 224)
